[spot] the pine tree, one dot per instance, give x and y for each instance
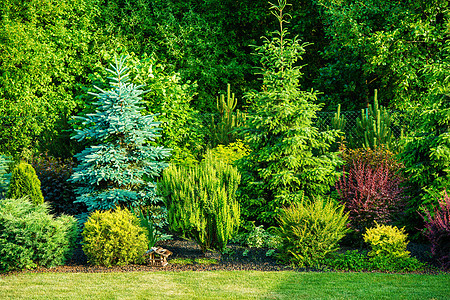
(289, 155)
(122, 163)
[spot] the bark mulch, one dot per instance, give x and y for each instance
(237, 258)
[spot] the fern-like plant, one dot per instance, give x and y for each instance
(121, 164)
(201, 201)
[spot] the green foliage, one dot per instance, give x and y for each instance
(387, 241)
(373, 128)
(378, 44)
(338, 122)
(257, 237)
(201, 201)
(230, 153)
(145, 216)
(46, 50)
(114, 238)
(354, 260)
(224, 132)
(120, 164)
(30, 236)
(289, 155)
(4, 175)
(427, 154)
(25, 183)
(170, 99)
(58, 192)
(310, 231)
(206, 42)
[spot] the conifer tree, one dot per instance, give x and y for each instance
(289, 155)
(122, 163)
(25, 183)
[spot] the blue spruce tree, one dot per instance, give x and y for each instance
(122, 163)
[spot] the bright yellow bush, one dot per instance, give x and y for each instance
(230, 153)
(388, 241)
(114, 237)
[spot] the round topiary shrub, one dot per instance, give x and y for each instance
(30, 236)
(25, 183)
(114, 237)
(309, 231)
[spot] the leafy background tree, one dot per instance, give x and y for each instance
(379, 44)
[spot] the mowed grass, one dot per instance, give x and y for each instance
(224, 285)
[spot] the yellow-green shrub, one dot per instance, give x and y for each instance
(201, 201)
(309, 231)
(231, 152)
(25, 183)
(388, 241)
(114, 237)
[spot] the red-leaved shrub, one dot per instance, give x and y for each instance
(437, 230)
(57, 191)
(370, 194)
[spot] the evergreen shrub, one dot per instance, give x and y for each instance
(122, 163)
(56, 189)
(30, 236)
(387, 241)
(114, 237)
(289, 155)
(201, 201)
(25, 183)
(437, 230)
(310, 231)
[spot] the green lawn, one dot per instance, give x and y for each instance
(224, 285)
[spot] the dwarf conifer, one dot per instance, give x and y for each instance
(121, 164)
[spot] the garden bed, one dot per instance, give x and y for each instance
(187, 256)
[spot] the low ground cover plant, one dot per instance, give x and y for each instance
(30, 236)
